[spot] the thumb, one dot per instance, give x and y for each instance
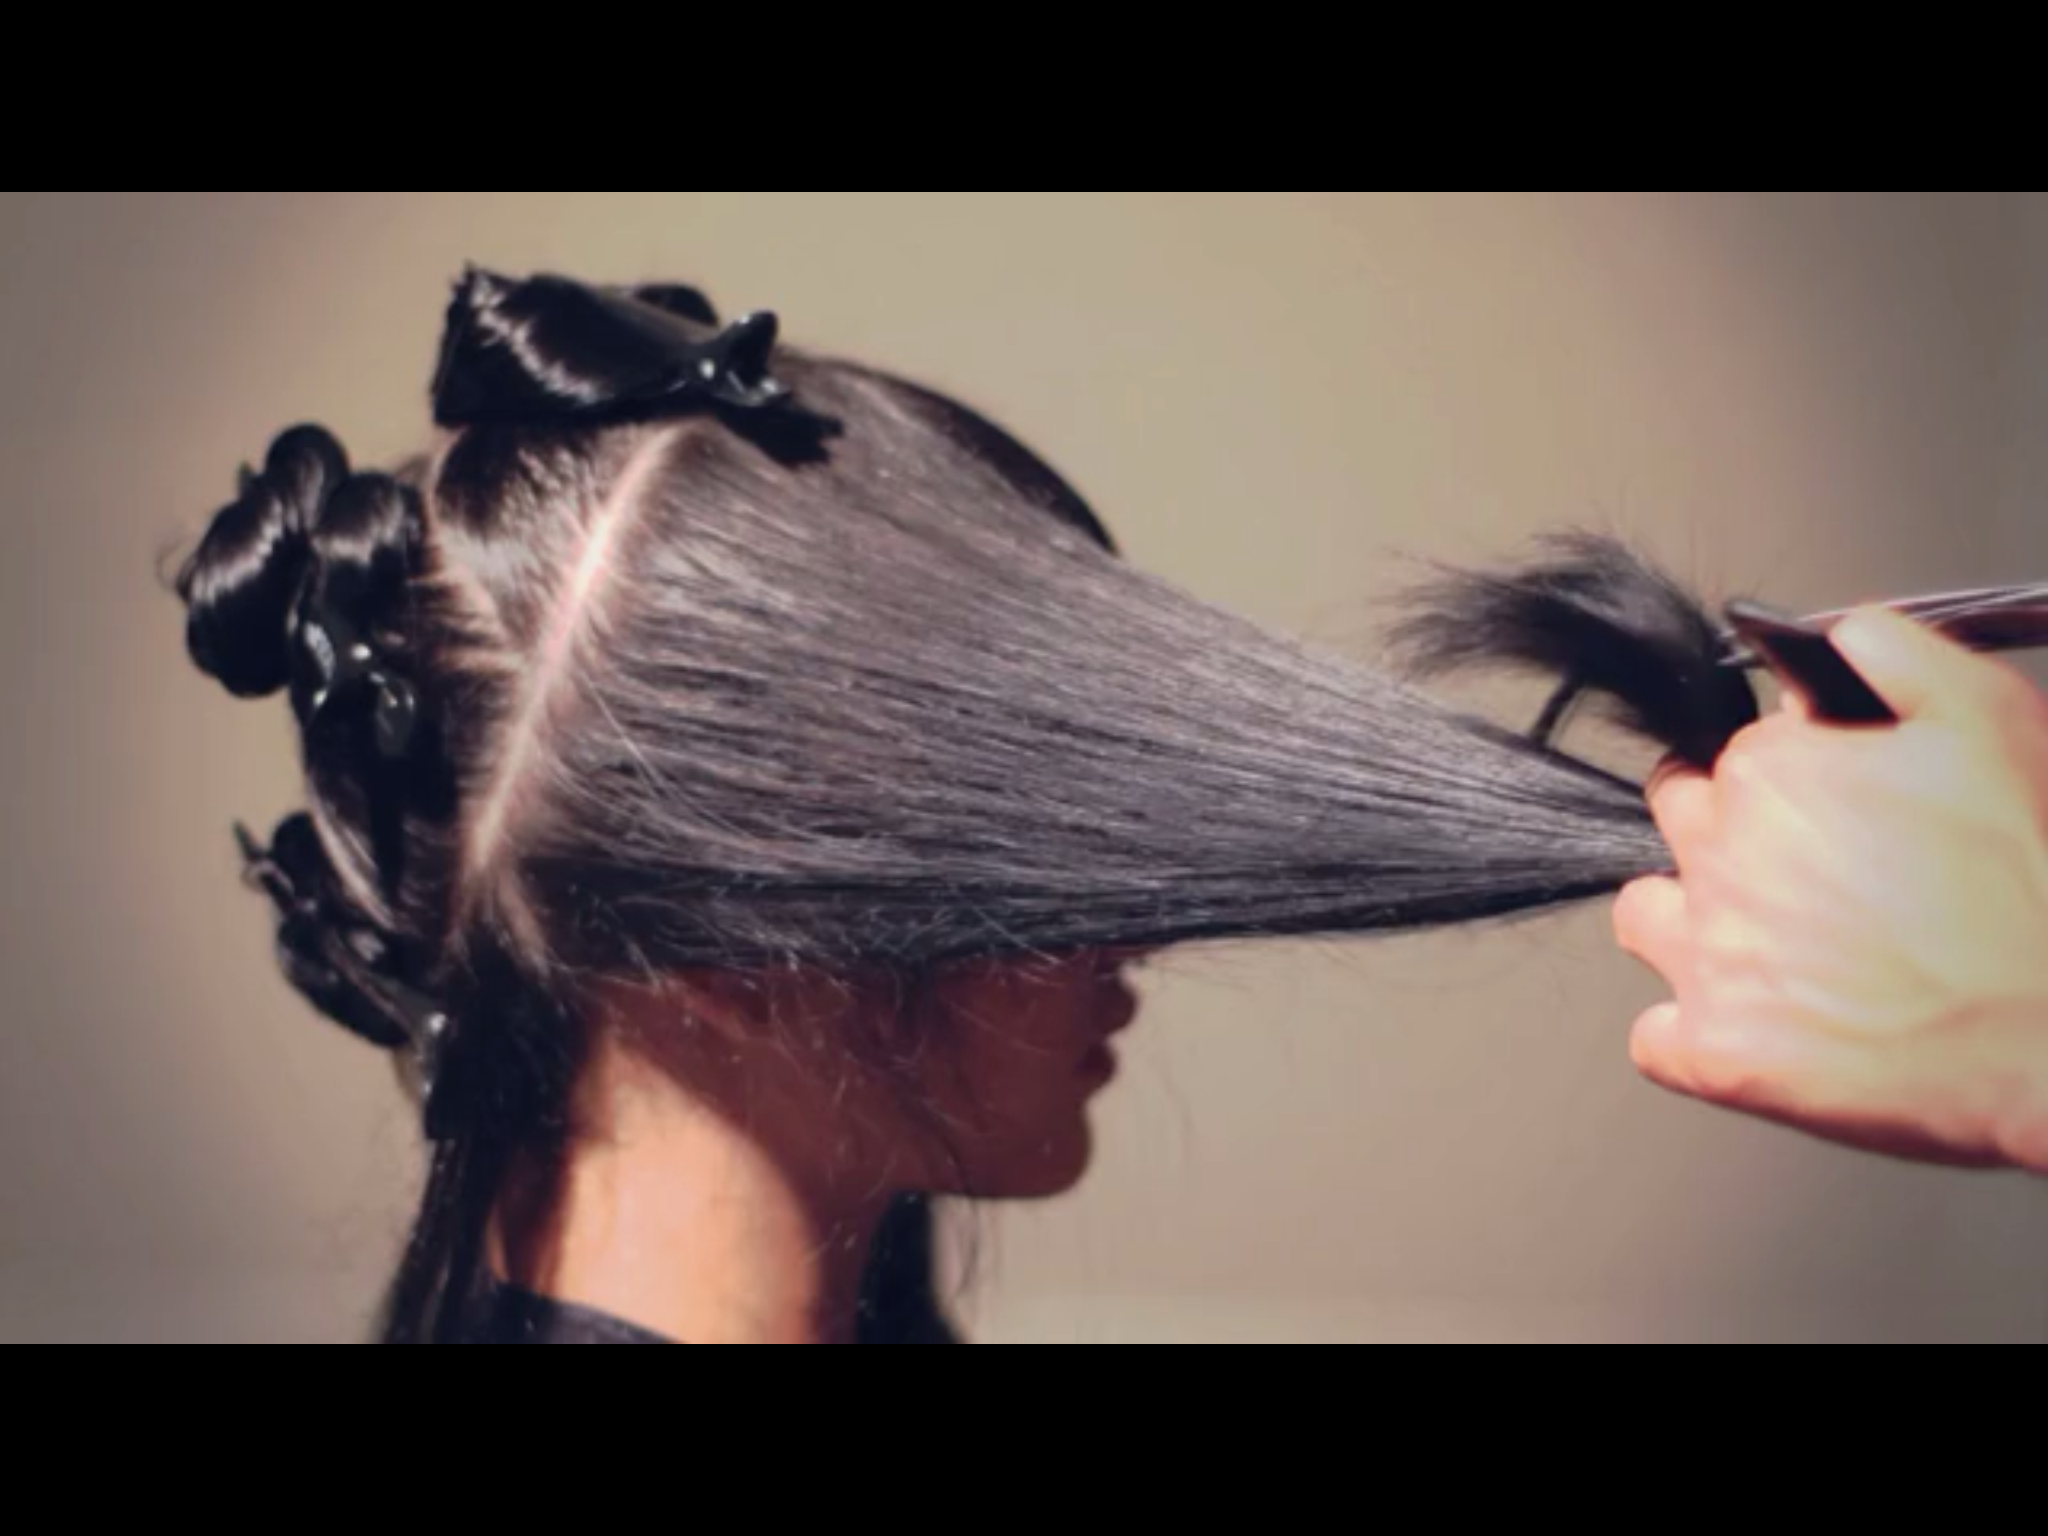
(1922, 674)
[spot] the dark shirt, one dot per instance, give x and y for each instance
(503, 1315)
(897, 1305)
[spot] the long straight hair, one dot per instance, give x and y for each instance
(857, 682)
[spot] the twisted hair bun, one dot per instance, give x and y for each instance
(240, 586)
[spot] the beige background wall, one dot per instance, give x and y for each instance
(1274, 398)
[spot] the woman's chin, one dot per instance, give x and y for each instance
(1045, 1171)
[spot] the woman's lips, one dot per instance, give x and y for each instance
(1120, 1011)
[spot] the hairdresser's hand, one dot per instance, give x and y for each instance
(1858, 937)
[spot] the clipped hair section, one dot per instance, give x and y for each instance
(1603, 622)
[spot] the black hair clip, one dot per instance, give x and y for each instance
(427, 1059)
(347, 971)
(550, 349)
(340, 668)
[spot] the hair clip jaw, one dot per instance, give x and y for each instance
(733, 368)
(426, 1061)
(341, 669)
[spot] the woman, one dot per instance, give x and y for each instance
(738, 779)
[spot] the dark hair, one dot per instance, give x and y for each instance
(713, 679)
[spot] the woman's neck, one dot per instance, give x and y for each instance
(684, 1209)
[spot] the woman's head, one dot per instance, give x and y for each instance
(975, 1080)
(685, 669)
(646, 664)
